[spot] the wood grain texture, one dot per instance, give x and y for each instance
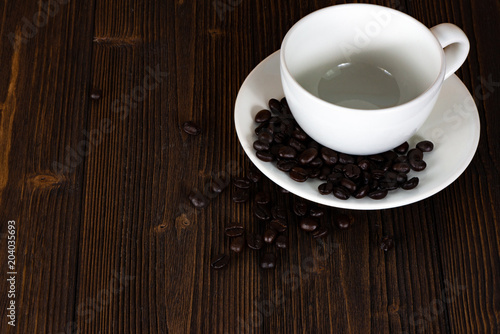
(107, 240)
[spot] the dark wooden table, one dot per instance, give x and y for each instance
(106, 240)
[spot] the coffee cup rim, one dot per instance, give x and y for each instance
(430, 89)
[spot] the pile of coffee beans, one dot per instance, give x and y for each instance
(280, 139)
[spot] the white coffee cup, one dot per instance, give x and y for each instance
(410, 58)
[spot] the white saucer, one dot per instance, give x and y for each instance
(453, 126)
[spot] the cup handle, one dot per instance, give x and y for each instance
(455, 44)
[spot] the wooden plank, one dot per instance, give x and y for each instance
(45, 57)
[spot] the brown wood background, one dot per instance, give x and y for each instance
(102, 246)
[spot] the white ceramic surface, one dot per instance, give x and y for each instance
(381, 37)
(453, 126)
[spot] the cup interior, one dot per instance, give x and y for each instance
(370, 35)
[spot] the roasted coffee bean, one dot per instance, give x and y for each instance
(326, 188)
(389, 182)
(316, 212)
(401, 178)
(308, 155)
(348, 184)
(401, 158)
(341, 193)
(261, 128)
(377, 174)
(314, 173)
(402, 149)
(278, 212)
(275, 148)
(263, 116)
(320, 232)
(362, 192)
(266, 137)
(260, 146)
(299, 135)
(378, 194)
(390, 155)
(269, 235)
(287, 152)
(410, 184)
(298, 174)
(376, 157)
(364, 164)
(234, 230)
(385, 166)
(280, 138)
(279, 225)
(325, 171)
(265, 156)
(366, 177)
(335, 177)
(268, 261)
(286, 165)
(342, 221)
(220, 261)
(401, 167)
(240, 195)
(255, 241)
(219, 184)
(262, 197)
(95, 94)
(281, 242)
(276, 121)
(329, 156)
(425, 146)
(387, 243)
(275, 106)
(418, 165)
(415, 154)
(262, 212)
(241, 182)
(237, 244)
(254, 174)
(191, 128)
(197, 199)
(317, 162)
(297, 145)
(308, 224)
(285, 109)
(352, 171)
(300, 207)
(313, 144)
(346, 159)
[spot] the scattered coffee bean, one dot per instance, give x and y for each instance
(298, 174)
(410, 184)
(308, 155)
(237, 244)
(266, 137)
(286, 165)
(341, 193)
(320, 232)
(197, 199)
(401, 167)
(219, 184)
(268, 261)
(329, 156)
(240, 195)
(278, 212)
(325, 188)
(269, 235)
(191, 128)
(265, 156)
(255, 241)
(220, 261)
(418, 165)
(346, 159)
(234, 230)
(241, 182)
(362, 192)
(275, 106)
(278, 224)
(281, 242)
(415, 154)
(387, 243)
(287, 152)
(300, 207)
(262, 197)
(263, 116)
(95, 94)
(254, 174)
(378, 194)
(403, 148)
(425, 146)
(261, 212)
(316, 212)
(308, 224)
(342, 221)
(260, 146)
